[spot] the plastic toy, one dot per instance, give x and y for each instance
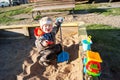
(92, 67)
(63, 56)
(87, 43)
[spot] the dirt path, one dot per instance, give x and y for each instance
(88, 18)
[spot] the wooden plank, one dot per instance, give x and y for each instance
(52, 2)
(26, 31)
(69, 24)
(55, 1)
(55, 7)
(82, 34)
(18, 26)
(49, 3)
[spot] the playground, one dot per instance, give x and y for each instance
(15, 51)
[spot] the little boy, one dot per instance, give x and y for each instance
(45, 39)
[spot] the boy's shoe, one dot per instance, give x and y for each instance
(45, 64)
(40, 62)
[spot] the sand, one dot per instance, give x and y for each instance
(19, 53)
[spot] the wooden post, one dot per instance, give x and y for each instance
(82, 34)
(26, 31)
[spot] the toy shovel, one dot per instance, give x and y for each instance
(63, 56)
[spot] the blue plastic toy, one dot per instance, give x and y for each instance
(63, 56)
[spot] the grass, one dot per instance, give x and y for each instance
(86, 6)
(92, 8)
(106, 12)
(106, 41)
(6, 16)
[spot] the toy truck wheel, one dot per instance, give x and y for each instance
(90, 78)
(93, 78)
(96, 78)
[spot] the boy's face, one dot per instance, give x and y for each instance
(47, 28)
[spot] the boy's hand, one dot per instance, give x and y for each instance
(59, 20)
(45, 43)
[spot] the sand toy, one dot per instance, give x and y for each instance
(63, 56)
(86, 43)
(92, 65)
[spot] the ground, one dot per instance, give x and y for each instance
(14, 52)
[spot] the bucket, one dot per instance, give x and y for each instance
(86, 45)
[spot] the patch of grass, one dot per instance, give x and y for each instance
(106, 41)
(99, 11)
(112, 11)
(5, 9)
(6, 20)
(16, 12)
(92, 8)
(85, 6)
(6, 17)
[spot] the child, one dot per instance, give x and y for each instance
(45, 40)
